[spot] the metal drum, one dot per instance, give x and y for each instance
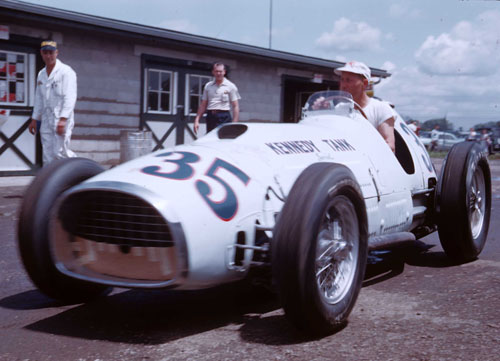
(134, 144)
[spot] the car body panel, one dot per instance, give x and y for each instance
(225, 186)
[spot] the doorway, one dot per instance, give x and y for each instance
(296, 91)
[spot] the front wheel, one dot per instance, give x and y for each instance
(319, 248)
(464, 202)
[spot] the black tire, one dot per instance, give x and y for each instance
(464, 202)
(33, 229)
(324, 195)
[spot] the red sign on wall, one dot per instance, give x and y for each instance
(4, 32)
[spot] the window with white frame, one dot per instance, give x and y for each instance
(159, 89)
(194, 90)
(14, 85)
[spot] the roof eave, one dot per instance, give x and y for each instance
(160, 33)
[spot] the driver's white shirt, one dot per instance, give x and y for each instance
(378, 112)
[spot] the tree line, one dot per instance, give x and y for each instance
(446, 126)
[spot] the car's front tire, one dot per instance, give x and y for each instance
(319, 248)
(464, 202)
(33, 229)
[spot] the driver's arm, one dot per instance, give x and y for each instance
(319, 103)
(386, 129)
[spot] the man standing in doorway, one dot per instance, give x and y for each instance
(218, 97)
(354, 78)
(55, 100)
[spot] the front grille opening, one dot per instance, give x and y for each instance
(114, 218)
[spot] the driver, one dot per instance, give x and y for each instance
(354, 78)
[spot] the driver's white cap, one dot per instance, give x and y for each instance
(355, 67)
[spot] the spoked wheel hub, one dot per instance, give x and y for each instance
(476, 202)
(337, 250)
(464, 202)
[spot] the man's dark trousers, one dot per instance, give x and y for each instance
(216, 118)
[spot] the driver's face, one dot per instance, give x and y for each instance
(352, 83)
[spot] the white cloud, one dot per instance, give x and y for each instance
(403, 10)
(182, 25)
(389, 66)
(463, 101)
(340, 58)
(350, 36)
(456, 75)
(470, 48)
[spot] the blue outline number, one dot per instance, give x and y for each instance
(183, 171)
(227, 208)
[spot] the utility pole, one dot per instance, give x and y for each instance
(270, 21)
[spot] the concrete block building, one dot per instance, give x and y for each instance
(137, 77)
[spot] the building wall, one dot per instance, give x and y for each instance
(109, 72)
(109, 85)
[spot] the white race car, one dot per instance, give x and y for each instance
(306, 201)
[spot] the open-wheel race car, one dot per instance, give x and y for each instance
(305, 201)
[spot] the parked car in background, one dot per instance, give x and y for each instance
(448, 140)
(484, 138)
(495, 139)
(445, 142)
(492, 140)
(425, 138)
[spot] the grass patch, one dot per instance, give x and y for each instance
(494, 156)
(438, 154)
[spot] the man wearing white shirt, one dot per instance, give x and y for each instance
(55, 100)
(218, 97)
(413, 126)
(354, 78)
(435, 138)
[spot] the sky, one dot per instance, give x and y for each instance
(443, 55)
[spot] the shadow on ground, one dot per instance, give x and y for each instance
(385, 264)
(156, 317)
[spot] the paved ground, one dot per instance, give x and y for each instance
(15, 181)
(414, 305)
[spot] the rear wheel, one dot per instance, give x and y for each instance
(33, 229)
(319, 248)
(464, 202)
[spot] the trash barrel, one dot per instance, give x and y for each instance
(134, 144)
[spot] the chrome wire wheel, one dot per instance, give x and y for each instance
(319, 248)
(477, 204)
(337, 250)
(464, 202)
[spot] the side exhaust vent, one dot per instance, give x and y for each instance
(239, 253)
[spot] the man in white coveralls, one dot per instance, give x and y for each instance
(55, 100)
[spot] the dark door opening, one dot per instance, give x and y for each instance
(296, 90)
